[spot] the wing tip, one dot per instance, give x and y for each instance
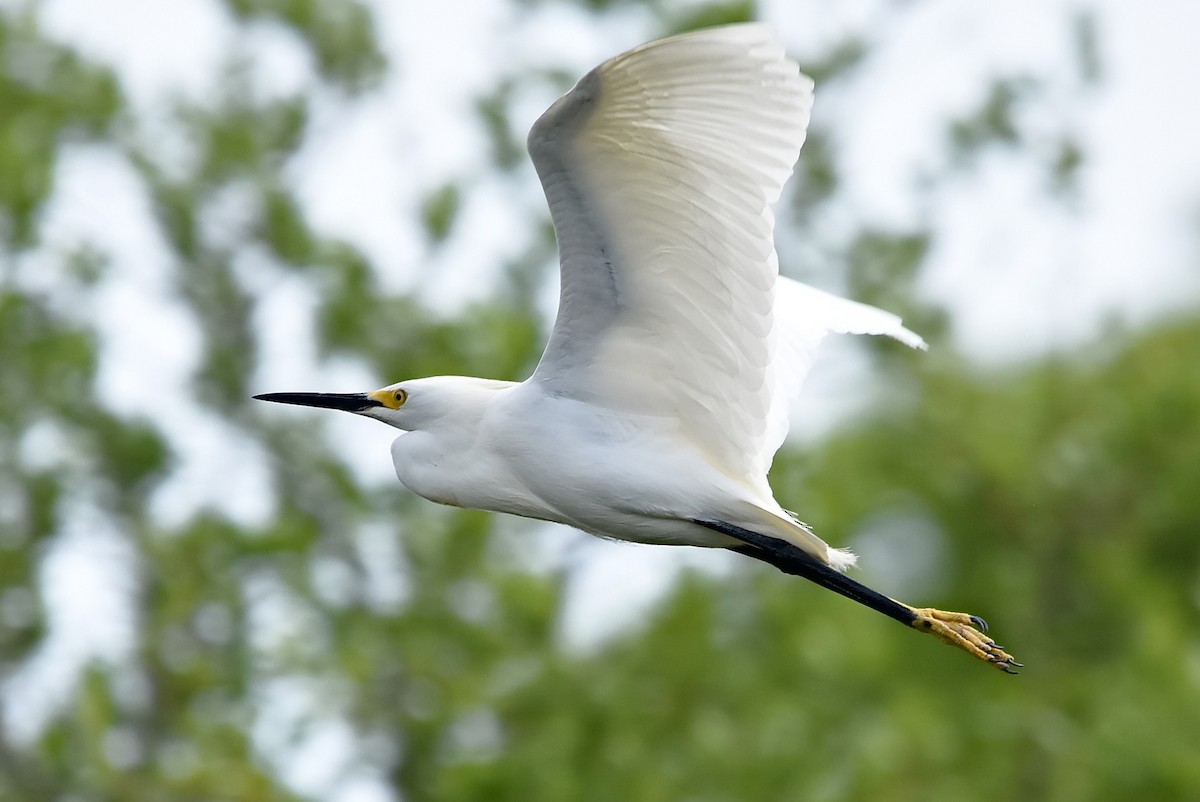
(909, 338)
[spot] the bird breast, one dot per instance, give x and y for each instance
(460, 471)
(605, 471)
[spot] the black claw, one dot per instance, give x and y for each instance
(979, 623)
(1008, 666)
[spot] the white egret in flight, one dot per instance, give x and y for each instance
(663, 393)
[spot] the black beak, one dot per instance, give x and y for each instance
(347, 402)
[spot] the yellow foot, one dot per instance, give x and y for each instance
(966, 632)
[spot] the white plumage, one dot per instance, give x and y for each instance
(660, 168)
(663, 392)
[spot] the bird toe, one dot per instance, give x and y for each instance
(966, 632)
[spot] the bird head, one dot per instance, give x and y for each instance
(387, 404)
(412, 405)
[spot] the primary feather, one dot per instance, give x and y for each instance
(660, 168)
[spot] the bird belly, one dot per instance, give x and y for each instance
(612, 474)
(473, 477)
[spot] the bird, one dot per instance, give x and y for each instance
(663, 392)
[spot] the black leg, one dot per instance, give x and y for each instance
(793, 560)
(960, 630)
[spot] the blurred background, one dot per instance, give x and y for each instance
(204, 598)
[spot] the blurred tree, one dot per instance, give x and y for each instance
(1058, 496)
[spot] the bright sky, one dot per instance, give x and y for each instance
(1019, 275)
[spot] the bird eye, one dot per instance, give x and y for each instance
(401, 396)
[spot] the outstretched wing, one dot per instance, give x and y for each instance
(803, 316)
(660, 167)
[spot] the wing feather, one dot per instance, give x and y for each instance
(660, 167)
(803, 316)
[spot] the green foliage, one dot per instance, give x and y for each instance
(497, 340)
(882, 268)
(340, 34)
(48, 95)
(1064, 170)
(439, 212)
(1056, 498)
(993, 122)
(55, 361)
(840, 60)
(816, 176)
(708, 15)
(493, 108)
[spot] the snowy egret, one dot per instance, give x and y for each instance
(662, 395)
